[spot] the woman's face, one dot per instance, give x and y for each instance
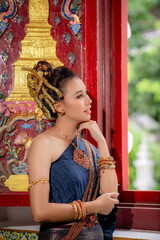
(77, 103)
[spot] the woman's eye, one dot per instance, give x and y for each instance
(82, 94)
(79, 96)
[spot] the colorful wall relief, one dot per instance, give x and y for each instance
(52, 34)
(65, 17)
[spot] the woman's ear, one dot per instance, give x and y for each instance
(58, 107)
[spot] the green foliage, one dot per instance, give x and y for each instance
(141, 20)
(132, 155)
(144, 59)
(155, 153)
(144, 73)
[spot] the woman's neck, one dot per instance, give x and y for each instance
(67, 127)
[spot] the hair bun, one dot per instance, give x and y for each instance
(45, 67)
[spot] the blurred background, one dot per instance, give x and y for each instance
(144, 94)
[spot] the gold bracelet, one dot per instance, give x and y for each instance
(79, 210)
(107, 167)
(75, 211)
(36, 181)
(83, 209)
(106, 163)
(106, 158)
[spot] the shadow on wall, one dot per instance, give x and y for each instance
(15, 216)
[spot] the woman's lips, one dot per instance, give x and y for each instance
(88, 111)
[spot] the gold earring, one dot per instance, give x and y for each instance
(62, 112)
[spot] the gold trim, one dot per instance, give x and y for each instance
(17, 183)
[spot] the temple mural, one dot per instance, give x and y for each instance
(31, 30)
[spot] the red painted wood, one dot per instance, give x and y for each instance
(104, 68)
(89, 42)
(14, 199)
(107, 74)
(100, 64)
(120, 89)
(134, 196)
(146, 217)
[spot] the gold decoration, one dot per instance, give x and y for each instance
(18, 183)
(35, 83)
(39, 114)
(37, 45)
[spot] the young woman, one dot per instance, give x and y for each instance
(70, 180)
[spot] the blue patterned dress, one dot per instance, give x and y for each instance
(68, 182)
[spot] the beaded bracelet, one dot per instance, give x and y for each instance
(106, 163)
(109, 158)
(36, 181)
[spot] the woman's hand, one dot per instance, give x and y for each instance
(95, 132)
(105, 203)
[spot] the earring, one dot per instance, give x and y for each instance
(62, 112)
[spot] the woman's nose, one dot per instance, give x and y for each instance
(88, 100)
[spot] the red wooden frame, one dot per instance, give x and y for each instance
(133, 215)
(104, 116)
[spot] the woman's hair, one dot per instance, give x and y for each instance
(57, 77)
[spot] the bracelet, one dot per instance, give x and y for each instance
(106, 163)
(83, 209)
(107, 167)
(36, 181)
(79, 210)
(106, 158)
(75, 211)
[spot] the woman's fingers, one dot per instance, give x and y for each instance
(106, 202)
(113, 195)
(95, 132)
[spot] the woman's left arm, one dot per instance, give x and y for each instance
(108, 177)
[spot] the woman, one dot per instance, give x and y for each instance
(63, 175)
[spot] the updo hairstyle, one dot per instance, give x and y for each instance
(57, 77)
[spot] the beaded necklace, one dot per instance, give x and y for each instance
(79, 156)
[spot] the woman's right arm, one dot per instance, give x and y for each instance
(39, 162)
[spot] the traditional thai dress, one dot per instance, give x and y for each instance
(68, 182)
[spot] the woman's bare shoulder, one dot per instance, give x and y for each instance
(48, 143)
(44, 138)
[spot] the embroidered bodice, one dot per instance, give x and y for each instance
(68, 180)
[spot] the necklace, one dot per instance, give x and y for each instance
(79, 155)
